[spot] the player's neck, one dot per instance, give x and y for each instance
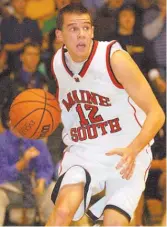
(78, 59)
(123, 31)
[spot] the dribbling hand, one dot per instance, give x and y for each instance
(127, 163)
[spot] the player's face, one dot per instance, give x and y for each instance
(30, 58)
(77, 34)
(127, 19)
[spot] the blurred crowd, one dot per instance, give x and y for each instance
(27, 45)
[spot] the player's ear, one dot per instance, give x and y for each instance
(93, 28)
(59, 35)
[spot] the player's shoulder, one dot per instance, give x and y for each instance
(110, 44)
(57, 56)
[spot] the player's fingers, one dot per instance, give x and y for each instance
(129, 171)
(121, 163)
(126, 166)
(114, 152)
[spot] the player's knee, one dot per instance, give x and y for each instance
(115, 222)
(74, 175)
(63, 213)
(114, 218)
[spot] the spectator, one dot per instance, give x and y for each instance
(6, 89)
(138, 47)
(35, 159)
(155, 30)
(105, 21)
(28, 75)
(141, 7)
(22, 30)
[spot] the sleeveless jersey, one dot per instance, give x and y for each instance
(97, 113)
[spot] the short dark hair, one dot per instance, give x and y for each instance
(76, 8)
(31, 44)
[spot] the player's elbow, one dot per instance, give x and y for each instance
(160, 116)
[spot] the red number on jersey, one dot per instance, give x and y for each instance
(92, 114)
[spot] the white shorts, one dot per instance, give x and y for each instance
(99, 173)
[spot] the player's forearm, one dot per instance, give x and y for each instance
(154, 121)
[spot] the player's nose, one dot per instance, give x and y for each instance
(81, 33)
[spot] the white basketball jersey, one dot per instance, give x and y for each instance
(97, 113)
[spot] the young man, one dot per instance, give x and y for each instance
(20, 160)
(28, 76)
(110, 116)
(22, 30)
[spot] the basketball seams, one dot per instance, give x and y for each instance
(51, 118)
(44, 108)
(26, 117)
(28, 101)
(40, 95)
(38, 109)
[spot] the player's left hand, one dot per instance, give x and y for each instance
(127, 163)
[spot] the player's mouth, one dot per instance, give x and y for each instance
(81, 46)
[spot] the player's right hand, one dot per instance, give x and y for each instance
(31, 153)
(126, 164)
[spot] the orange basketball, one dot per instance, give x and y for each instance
(34, 114)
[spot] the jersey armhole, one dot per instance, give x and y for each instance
(109, 69)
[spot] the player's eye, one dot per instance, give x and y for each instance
(73, 29)
(86, 28)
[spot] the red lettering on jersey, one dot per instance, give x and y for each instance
(83, 120)
(68, 104)
(92, 131)
(102, 126)
(86, 97)
(92, 115)
(74, 135)
(75, 96)
(82, 133)
(91, 98)
(114, 125)
(104, 101)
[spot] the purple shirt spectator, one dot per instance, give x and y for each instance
(9, 155)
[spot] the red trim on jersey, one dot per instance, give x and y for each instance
(86, 64)
(147, 169)
(64, 62)
(134, 112)
(54, 75)
(110, 71)
(146, 172)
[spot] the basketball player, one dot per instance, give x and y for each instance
(110, 117)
